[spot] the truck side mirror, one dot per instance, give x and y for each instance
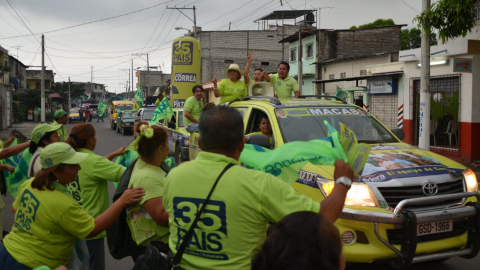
(399, 133)
(260, 140)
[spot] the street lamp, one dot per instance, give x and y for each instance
(181, 28)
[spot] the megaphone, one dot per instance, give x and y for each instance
(261, 89)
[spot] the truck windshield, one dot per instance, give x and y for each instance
(305, 124)
(147, 115)
(127, 107)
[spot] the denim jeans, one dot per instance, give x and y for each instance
(192, 128)
(7, 262)
(96, 249)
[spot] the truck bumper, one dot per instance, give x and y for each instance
(409, 251)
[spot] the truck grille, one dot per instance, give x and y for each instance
(394, 195)
(459, 228)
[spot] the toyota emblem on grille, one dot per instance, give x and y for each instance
(430, 189)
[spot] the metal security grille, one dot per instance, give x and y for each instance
(444, 113)
(385, 109)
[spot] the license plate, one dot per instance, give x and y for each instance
(434, 227)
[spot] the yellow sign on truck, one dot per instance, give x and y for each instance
(186, 63)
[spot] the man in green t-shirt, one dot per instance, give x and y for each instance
(284, 85)
(233, 225)
(193, 108)
(61, 118)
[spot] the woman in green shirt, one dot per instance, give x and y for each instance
(41, 136)
(148, 220)
(90, 188)
(47, 220)
(230, 88)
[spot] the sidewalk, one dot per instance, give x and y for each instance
(24, 128)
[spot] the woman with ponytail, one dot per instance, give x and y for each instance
(42, 135)
(147, 219)
(47, 220)
(90, 188)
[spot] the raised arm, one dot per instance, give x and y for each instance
(13, 150)
(215, 88)
(266, 76)
(246, 77)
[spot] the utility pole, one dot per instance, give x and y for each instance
(424, 126)
(132, 75)
(91, 74)
(148, 75)
(42, 84)
(300, 62)
(194, 18)
(69, 96)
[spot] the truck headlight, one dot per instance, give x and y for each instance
(470, 180)
(359, 194)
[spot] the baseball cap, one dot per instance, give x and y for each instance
(60, 153)
(40, 130)
(59, 114)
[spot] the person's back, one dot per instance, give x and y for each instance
(234, 223)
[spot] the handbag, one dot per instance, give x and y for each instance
(153, 259)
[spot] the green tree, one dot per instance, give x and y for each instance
(452, 18)
(411, 38)
(377, 23)
(61, 88)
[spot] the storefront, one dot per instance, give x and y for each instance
(454, 97)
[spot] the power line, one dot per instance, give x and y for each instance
(410, 6)
(234, 10)
(100, 20)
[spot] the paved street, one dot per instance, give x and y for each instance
(109, 141)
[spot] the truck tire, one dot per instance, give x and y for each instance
(178, 155)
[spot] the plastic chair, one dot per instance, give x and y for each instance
(433, 128)
(452, 128)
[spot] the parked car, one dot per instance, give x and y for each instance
(410, 205)
(125, 121)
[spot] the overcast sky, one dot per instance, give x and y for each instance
(108, 45)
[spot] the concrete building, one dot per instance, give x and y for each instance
(150, 80)
(18, 74)
(455, 96)
(6, 90)
(33, 79)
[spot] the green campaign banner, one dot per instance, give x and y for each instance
(162, 111)
(101, 108)
(139, 97)
(20, 175)
(136, 107)
(285, 161)
(340, 93)
(125, 159)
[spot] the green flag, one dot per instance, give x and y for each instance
(20, 175)
(285, 161)
(340, 93)
(101, 108)
(139, 97)
(125, 159)
(162, 111)
(135, 106)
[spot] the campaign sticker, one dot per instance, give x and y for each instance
(186, 77)
(337, 111)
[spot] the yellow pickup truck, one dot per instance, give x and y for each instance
(410, 205)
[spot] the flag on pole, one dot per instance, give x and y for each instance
(139, 97)
(340, 93)
(285, 161)
(157, 91)
(20, 175)
(136, 107)
(162, 111)
(101, 108)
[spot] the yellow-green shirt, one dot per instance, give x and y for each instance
(47, 223)
(230, 91)
(233, 226)
(194, 107)
(62, 132)
(284, 88)
(90, 188)
(142, 226)
(259, 133)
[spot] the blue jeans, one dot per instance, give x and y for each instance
(192, 128)
(96, 249)
(7, 262)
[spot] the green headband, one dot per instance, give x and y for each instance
(145, 131)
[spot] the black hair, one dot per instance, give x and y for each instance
(221, 128)
(33, 146)
(286, 64)
(195, 88)
(302, 240)
(258, 69)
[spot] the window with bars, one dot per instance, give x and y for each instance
(476, 11)
(363, 72)
(331, 76)
(343, 75)
(228, 61)
(310, 50)
(293, 54)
